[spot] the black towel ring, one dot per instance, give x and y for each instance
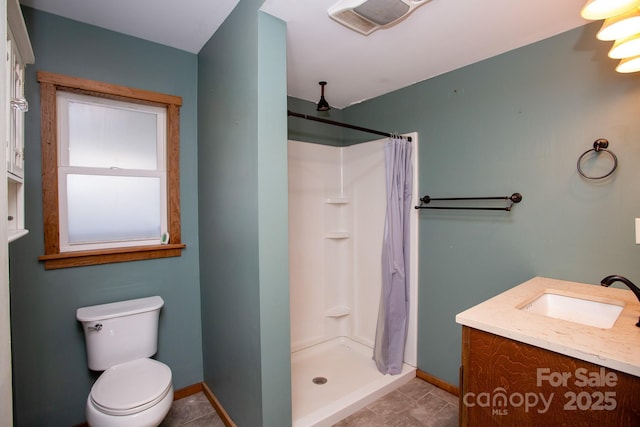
(598, 146)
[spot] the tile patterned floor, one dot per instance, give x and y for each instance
(192, 411)
(415, 404)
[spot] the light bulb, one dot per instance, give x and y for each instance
(626, 48)
(629, 65)
(601, 9)
(620, 26)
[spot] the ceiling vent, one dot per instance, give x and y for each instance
(366, 16)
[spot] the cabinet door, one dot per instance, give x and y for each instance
(8, 140)
(14, 119)
(18, 106)
(509, 383)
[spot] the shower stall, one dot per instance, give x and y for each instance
(336, 222)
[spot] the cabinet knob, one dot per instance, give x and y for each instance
(20, 104)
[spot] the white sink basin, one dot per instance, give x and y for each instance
(589, 312)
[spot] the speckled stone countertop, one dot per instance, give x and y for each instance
(616, 348)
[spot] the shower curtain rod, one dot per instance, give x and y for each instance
(345, 125)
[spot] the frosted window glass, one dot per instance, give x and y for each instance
(112, 208)
(106, 136)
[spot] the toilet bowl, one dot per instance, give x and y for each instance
(133, 394)
(133, 389)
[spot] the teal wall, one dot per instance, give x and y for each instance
(307, 130)
(273, 200)
(242, 177)
(51, 378)
(517, 123)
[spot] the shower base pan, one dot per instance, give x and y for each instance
(334, 379)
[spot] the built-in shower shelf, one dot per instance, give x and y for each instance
(337, 201)
(337, 235)
(338, 311)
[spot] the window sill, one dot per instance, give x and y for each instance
(107, 256)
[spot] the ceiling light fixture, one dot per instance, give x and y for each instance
(622, 24)
(323, 105)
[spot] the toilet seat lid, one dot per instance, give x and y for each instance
(131, 387)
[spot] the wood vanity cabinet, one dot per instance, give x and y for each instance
(508, 383)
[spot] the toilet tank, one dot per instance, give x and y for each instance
(121, 331)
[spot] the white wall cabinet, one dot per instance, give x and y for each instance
(19, 54)
(16, 51)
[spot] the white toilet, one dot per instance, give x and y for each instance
(133, 390)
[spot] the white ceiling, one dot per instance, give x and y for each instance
(440, 36)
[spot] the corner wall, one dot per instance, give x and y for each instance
(243, 217)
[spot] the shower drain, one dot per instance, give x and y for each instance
(319, 380)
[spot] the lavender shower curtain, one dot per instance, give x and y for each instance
(393, 313)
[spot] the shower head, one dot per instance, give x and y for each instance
(323, 105)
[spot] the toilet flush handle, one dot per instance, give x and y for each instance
(97, 327)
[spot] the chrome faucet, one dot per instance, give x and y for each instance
(607, 281)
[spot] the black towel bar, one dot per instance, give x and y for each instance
(514, 198)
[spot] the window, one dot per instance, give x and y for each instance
(110, 169)
(111, 173)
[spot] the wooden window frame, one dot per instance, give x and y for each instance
(50, 83)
